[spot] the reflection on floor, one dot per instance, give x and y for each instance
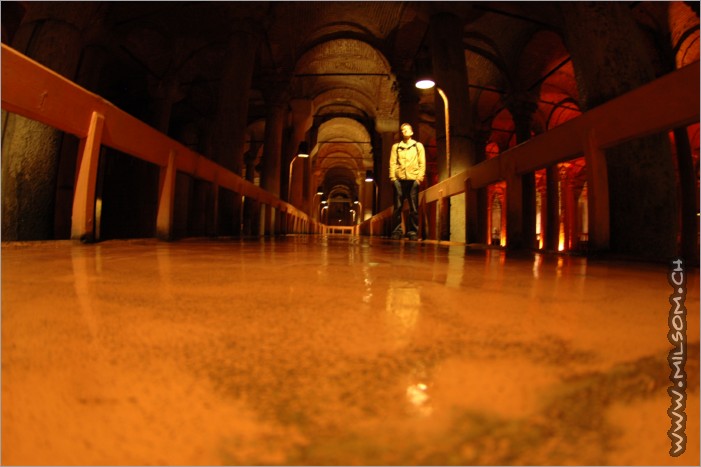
(335, 350)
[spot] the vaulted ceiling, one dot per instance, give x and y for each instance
(350, 59)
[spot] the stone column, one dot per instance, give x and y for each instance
(228, 134)
(164, 94)
(610, 57)
(50, 33)
(450, 74)
(229, 131)
(388, 130)
(409, 105)
(689, 198)
(552, 211)
(272, 150)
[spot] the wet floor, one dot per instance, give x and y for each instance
(334, 350)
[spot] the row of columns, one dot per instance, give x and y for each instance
(36, 170)
(635, 180)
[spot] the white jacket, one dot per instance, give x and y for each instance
(407, 161)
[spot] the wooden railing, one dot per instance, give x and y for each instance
(33, 91)
(669, 102)
(36, 92)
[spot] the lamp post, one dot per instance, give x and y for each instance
(358, 211)
(443, 221)
(370, 178)
(427, 83)
(319, 192)
(302, 152)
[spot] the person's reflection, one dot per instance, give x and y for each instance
(402, 316)
(402, 311)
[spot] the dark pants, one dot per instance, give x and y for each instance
(409, 190)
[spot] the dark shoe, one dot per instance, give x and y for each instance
(396, 236)
(412, 236)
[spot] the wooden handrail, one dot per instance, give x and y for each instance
(38, 93)
(671, 101)
(34, 91)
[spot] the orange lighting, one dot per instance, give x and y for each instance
(561, 242)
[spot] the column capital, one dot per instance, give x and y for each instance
(522, 104)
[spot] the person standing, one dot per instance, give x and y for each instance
(407, 168)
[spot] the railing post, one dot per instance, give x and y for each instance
(166, 199)
(443, 222)
(83, 218)
(471, 214)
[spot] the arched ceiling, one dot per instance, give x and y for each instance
(351, 58)
(345, 77)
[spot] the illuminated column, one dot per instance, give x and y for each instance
(569, 209)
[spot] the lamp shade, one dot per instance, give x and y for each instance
(368, 176)
(303, 150)
(425, 83)
(319, 190)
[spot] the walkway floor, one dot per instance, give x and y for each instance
(335, 350)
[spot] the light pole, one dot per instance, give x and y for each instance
(427, 83)
(319, 192)
(302, 152)
(370, 178)
(358, 212)
(443, 221)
